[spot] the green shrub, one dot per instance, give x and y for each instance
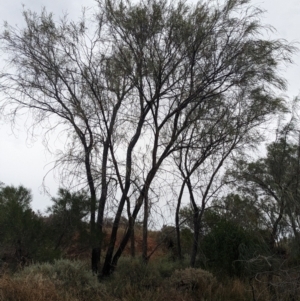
(72, 277)
(166, 267)
(226, 247)
(134, 272)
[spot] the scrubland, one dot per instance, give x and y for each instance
(159, 280)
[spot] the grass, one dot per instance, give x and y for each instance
(27, 289)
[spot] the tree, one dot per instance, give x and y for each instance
(21, 230)
(244, 211)
(201, 161)
(15, 213)
(131, 86)
(224, 245)
(208, 145)
(274, 182)
(67, 214)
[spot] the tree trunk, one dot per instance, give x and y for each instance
(126, 237)
(132, 239)
(145, 230)
(179, 254)
(195, 239)
(109, 263)
(131, 226)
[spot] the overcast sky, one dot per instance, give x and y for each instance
(26, 163)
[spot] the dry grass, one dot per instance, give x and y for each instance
(285, 287)
(233, 290)
(197, 281)
(27, 289)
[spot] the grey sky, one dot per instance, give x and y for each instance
(22, 162)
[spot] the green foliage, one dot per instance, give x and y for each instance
(134, 279)
(71, 277)
(241, 210)
(166, 266)
(210, 217)
(186, 217)
(11, 195)
(22, 232)
(136, 273)
(167, 238)
(222, 245)
(67, 216)
(72, 206)
(186, 239)
(15, 213)
(26, 236)
(273, 185)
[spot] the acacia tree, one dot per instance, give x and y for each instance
(133, 89)
(20, 226)
(66, 215)
(201, 161)
(202, 69)
(232, 128)
(274, 182)
(49, 81)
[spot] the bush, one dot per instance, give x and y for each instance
(225, 246)
(72, 277)
(136, 272)
(193, 279)
(166, 267)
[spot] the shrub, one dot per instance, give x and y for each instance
(166, 267)
(224, 247)
(132, 274)
(72, 277)
(193, 279)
